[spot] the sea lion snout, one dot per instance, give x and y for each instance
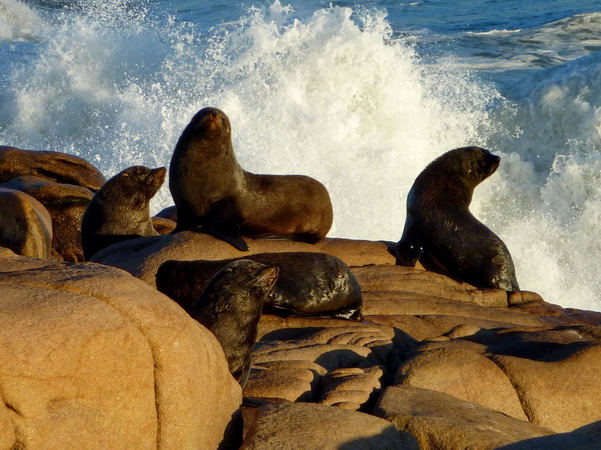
(493, 163)
(268, 276)
(211, 119)
(157, 176)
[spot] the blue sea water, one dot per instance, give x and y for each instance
(360, 95)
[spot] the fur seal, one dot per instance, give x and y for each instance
(230, 307)
(441, 231)
(309, 284)
(211, 190)
(120, 209)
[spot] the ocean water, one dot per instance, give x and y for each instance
(360, 95)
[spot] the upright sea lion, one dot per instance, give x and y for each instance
(120, 210)
(441, 231)
(230, 307)
(211, 190)
(309, 284)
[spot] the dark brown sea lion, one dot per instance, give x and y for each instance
(230, 307)
(309, 284)
(441, 231)
(120, 209)
(211, 190)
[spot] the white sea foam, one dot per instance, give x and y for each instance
(18, 22)
(555, 212)
(333, 96)
(494, 32)
(325, 97)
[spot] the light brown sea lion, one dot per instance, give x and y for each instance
(441, 231)
(120, 210)
(211, 190)
(230, 307)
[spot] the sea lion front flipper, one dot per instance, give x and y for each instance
(408, 249)
(235, 240)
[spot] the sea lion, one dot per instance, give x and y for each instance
(120, 209)
(309, 284)
(230, 307)
(211, 190)
(441, 231)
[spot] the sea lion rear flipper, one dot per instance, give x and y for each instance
(235, 240)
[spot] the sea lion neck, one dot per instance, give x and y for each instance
(439, 187)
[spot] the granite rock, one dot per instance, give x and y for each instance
(25, 224)
(66, 204)
(311, 426)
(142, 257)
(56, 166)
(439, 420)
(93, 357)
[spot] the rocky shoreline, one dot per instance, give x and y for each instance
(93, 356)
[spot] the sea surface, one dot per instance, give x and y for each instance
(360, 95)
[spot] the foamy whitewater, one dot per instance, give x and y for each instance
(359, 97)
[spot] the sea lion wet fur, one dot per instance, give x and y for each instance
(441, 231)
(211, 190)
(309, 284)
(230, 307)
(120, 210)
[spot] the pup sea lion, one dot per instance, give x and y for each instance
(230, 307)
(120, 209)
(309, 284)
(443, 233)
(211, 190)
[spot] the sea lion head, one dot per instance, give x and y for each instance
(137, 183)
(253, 278)
(120, 209)
(209, 123)
(472, 165)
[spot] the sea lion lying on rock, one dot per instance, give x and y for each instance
(230, 307)
(441, 231)
(211, 190)
(309, 284)
(120, 210)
